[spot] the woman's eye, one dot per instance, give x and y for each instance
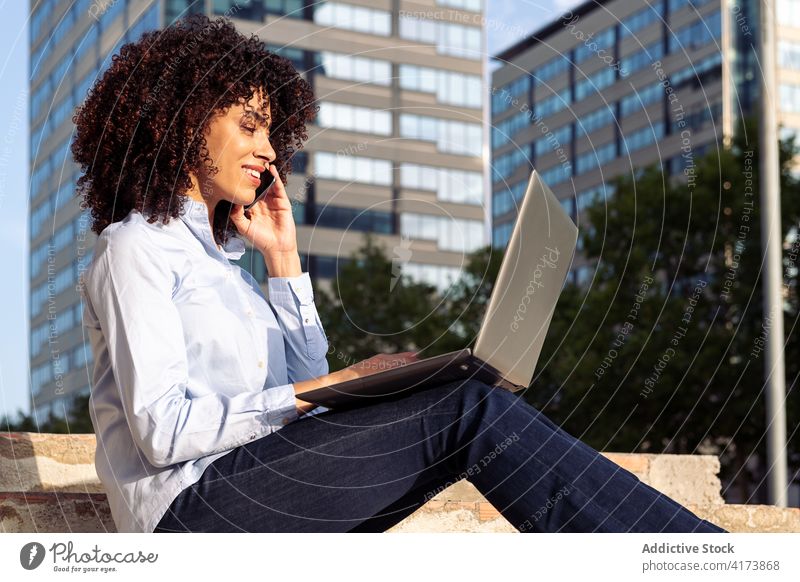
(250, 129)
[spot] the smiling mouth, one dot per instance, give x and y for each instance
(256, 181)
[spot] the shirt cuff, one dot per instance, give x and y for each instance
(280, 405)
(285, 290)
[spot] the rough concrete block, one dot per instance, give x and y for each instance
(637, 464)
(751, 518)
(48, 462)
(688, 479)
(457, 520)
(55, 513)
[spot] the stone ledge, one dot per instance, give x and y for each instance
(55, 513)
(87, 513)
(53, 462)
(463, 518)
(751, 518)
(48, 462)
(48, 483)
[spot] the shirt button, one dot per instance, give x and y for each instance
(249, 313)
(306, 320)
(261, 363)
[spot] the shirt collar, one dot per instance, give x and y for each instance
(195, 216)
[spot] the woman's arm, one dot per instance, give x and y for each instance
(292, 302)
(129, 293)
(366, 367)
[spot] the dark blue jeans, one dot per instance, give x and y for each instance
(365, 469)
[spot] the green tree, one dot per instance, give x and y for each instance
(676, 369)
(78, 420)
(372, 308)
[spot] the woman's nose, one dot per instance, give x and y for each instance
(266, 151)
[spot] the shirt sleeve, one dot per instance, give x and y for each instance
(130, 290)
(292, 300)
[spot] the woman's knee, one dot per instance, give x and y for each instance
(478, 395)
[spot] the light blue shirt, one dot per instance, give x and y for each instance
(191, 360)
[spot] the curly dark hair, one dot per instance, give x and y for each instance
(141, 128)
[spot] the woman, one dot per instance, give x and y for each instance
(198, 379)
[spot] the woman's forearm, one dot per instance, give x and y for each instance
(283, 265)
(321, 382)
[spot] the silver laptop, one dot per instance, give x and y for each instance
(531, 277)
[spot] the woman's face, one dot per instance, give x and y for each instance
(238, 145)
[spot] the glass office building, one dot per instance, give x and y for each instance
(615, 85)
(397, 149)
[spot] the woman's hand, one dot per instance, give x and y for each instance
(363, 368)
(377, 363)
(268, 224)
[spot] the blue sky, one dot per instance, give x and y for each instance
(505, 20)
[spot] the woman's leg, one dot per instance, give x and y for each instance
(366, 468)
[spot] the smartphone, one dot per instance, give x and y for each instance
(263, 188)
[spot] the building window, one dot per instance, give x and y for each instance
(508, 199)
(114, 10)
(459, 186)
(641, 19)
(235, 9)
(502, 234)
(504, 131)
(352, 168)
(595, 83)
(290, 8)
(553, 141)
(473, 5)
(602, 40)
(450, 39)
(556, 174)
(641, 58)
(552, 68)
(639, 100)
(696, 75)
(449, 87)
(788, 13)
(697, 118)
(454, 137)
(554, 103)
(504, 97)
(641, 138)
(450, 234)
(147, 22)
(591, 196)
(790, 98)
(352, 68)
(349, 17)
(675, 5)
(353, 118)
(506, 165)
(438, 276)
(356, 219)
(593, 121)
(697, 34)
(591, 159)
(789, 55)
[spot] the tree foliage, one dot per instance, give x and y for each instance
(663, 351)
(77, 420)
